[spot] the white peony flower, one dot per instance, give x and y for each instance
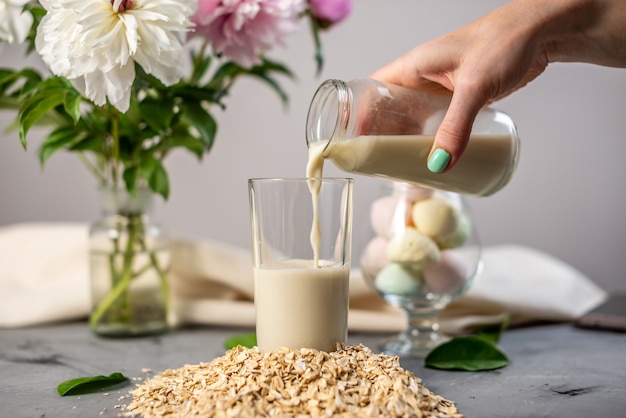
(96, 43)
(14, 22)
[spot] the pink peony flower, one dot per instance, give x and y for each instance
(330, 11)
(205, 10)
(242, 30)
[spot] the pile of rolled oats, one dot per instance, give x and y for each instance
(350, 382)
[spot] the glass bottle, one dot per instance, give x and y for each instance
(129, 259)
(380, 129)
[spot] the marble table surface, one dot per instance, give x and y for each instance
(556, 370)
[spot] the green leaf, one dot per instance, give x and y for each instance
(195, 93)
(247, 340)
(194, 145)
(202, 120)
(144, 80)
(58, 139)
(319, 55)
(156, 176)
(8, 78)
(262, 72)
(72, 105)
(130, 179)
(34, 109)
(470, 353)
(224, 76)
(38, 13)
(88, 142)
(275, 67)
(8, 102)
(157, 112)
(493, 334)
(90, 384)
(6, 74)
(273, 84)
(49, 94)
(201, 67)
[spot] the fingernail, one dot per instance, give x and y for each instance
(438, 161)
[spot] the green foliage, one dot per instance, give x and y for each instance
(128, 147)
(247, 340)
(471, 353)
(91, 384)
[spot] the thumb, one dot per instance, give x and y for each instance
(454, 132)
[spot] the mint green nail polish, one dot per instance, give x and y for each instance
(438, 161)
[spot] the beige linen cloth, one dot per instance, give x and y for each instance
(44, 278)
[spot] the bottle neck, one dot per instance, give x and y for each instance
(329, 113)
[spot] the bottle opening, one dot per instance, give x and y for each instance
(328, 112)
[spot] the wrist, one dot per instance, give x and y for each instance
(580, 30)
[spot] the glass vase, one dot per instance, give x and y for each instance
(129, 260)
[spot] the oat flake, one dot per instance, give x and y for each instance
(350, 382)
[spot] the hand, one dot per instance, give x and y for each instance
(502, 52)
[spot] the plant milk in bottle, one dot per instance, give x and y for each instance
(367, 127)
(480, 170)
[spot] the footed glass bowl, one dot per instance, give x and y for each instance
(422, 252)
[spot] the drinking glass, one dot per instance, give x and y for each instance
(422, 251)
(301, 246)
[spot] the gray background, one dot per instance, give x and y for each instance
(567, 197)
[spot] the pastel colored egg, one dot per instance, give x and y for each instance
(435, 218)
(448, 276)
(374, 256)
(397, 279)
(381, 214)
(388, 214)
(463, 230)
(411, 246)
